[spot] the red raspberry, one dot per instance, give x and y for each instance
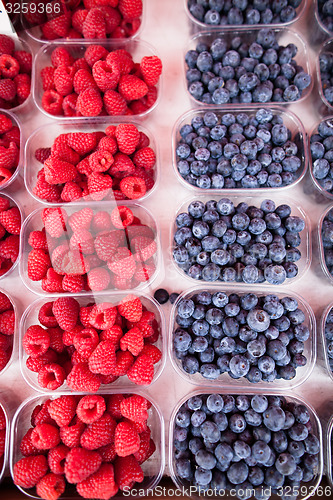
(46, 316)
(66, 311)
(5, 303)
(45, 191)
(83, 80)
(134, 408)
(128, 137)
(147, 447)
(11, 220)
(9, 157)
(145, 158)
(130, 9)
(51, 376)
(78, 18)
(52, 102)
(151, 69)
(4, 204)
(127, 472)
(71, 192)
(35, 364)
(84, 315)
(90, 408)
(89, 102)
(83, 241)
(59, 172)
(63, 409)
(153, 352)
(9, 249)
(99, 433)
(99, 185)
(51, 486)
(85, 341)
(122, 217)
(100, 485)
(56, 458)
(94, 24)
(106, 243)
(45, 436)
(40, 414)
(54, 220)
(81, 142)
(132, 341)
(133, 187)
(122, 263)
(7, 323)
(82, 379)
(56, 343)
(12, 135)
(29, 470)
(114, 103)
(122, 166)
(95, 53)
(26, 446)
(142, 370)
(60, 25)
(108, 144)
(113, 405)
(98, 279)
(130, 308)
(7, 89)
(126, 439)
(103, 358)
(36, 341)
(143, 248)
(61, 150)
(24, 59)
(47, 76)
(63, 80)
(124, 360)
(122, 59)
(42, 154)
(131, 87)
(23, 84)
(52, 283)
(101, 221)
(9, 66)
(100, 161)
(108, 453)
(7, 45)
(70, 434)
(106, 77)
(103, 316)
(80, 464)
(73, 284)
(5, 124)
(81, 219)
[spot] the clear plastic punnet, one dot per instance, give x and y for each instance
(329, 461)
(4, 458)
(290, 120)
(31, 317)
(137, 49)
(325, 48)
(13, 339)
(153, 467)
(327, 194)
(325, 32)
(321, 249)
(224, 380)
(16, 171)
(44, 137)
(304, 491)
(111, 247)
(13, 203)
(324, 339)
(284, 37)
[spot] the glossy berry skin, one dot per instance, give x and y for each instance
(321, 149)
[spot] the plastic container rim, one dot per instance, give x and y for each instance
(19, 257)
(321, 247)
(315, 181)
(16, 332)
(7, 442)
(17, 123)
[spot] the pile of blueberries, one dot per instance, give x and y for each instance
(326, 74)
(321, 148)
(239, 71)
(238, 150)
(257, 445)
(257, 337)
(327, 240)
(325, 10)
(238, 12)
(329, 337)
(218, 241)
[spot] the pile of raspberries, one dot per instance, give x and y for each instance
(96, 443)
(91, 250)
(100, 83)
(10, 228)
(9, 148)
(118, 164)
(93, 344)
(7, 329)
(85, 19)
(2, 437)
(15, 74)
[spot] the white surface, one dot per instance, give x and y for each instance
(166, 28)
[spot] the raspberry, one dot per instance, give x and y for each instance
(9, 249)
(7, 89)
(70, 434)
(142, 370)
(47, 76)
(108, 144)
(5, 124)
(5, 175)
(23, 84)
(40, 414)
(45, 436)
(99, 433)
(143, 247)
(85, 341)
(130, 9)
(5, 303)
(134, 408)
(56, 458)
(83, 80)
(9, 156)
(131, 87)
(7, 45)
(128, 137)
(101, 221)
(103, 316)
(26, 446)
(51, 376)
(112, 18)
(133, 187)
(56, 343)
(80, 464)
(42, 154)
(122, 216)
(46, 316)
(71, 192)
(81, 142)
(36, 341)
(83, 241)
(81, 219)
(45, 191)
(100, 485)
(54, 220)
(114, 333)
(52, 283)
(12, 135)
(94, 24)
(127, 471)
(144, 158)
(9, 66)
(103, 358)
(24, 59)
(122, 59)
(63, 80)
(106, 77)
(130, 308)
(36, 364)
(62, 410)
(89, 102)
(114, 103)
(113, 405)
(153, 352)
(51, 486)
(106, 243)
(66, 311)
(59, 172)
(73, 284)
(7, 323)
(151, 69)
(124, 360)
(82, 379)
(90, 408)
(126, 439)
(60, 26)
(123, 166)
(95, 53)
(99, 185)
(4, 204)
(29, 470)
(98, 279)
(144, 272)
(100, 161)
(52, 102)
(132, 341)
(4, 359)
(122, 263)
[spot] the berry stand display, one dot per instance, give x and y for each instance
(304, 301)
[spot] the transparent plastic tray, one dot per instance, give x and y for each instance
(326, 47)
(44, 137)
(305, 247)
(14, 338)
(137, 49)
(284, 37)
(326, 194)
(329, 462)
(290, 120)
(30, 317)
(34, 222)
(322, 26)
(6, 452)
(16, 123)
(13, 203)
(224, 380)
(324, 340)
(321, 248)
(308, 487)
(152, 468)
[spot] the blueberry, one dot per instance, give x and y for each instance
(285, 464)
(274, 418)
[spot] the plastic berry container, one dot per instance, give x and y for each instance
(137, 49)
(290, 120)
(200, 25)
(35, 32)
(321, 252)
(325, 32)
(284, 36)
(326, 47)
(326, 194)
(16, 123)
(34, 223)
(304, 491)
(44, 137)
(13, 344)
(224, 380)
(324, 340)
(13, 203)
(329, 461)
(30, 317)
(4, 459)
(305, 248)
(153, 467)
